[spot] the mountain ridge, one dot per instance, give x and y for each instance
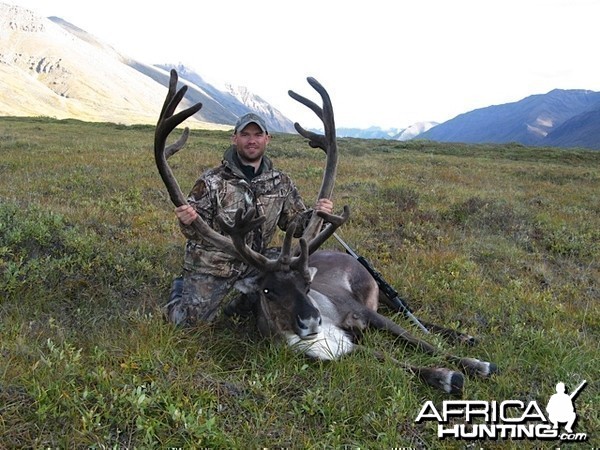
(530, 121)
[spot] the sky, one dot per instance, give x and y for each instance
(386, 63)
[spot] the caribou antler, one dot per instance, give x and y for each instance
(333, 223)
(327, 142)
(245, 223)
(167, 122)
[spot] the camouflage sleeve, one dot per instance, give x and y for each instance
(294, 207)
(200, 198)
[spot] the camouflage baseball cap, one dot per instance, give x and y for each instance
(250, 118)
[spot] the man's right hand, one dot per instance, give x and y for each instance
(186, 214)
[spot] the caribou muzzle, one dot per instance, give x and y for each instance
(308, 326)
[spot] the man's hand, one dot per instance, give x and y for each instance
(324, 205)
(186, 214)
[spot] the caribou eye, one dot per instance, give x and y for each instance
(266, 291)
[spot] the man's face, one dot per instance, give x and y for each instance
(251, 143)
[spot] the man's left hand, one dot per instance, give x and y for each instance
(324, 205)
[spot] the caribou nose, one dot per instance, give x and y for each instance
(308, 327)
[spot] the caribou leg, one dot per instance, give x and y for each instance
(442, 378)
(449, 381)
(472, 366)
(451, 335)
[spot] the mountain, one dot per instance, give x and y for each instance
(398, 134)
(50, 67)
(368, 133)
(236, 99)
(47, 70)
(582, 130)
(530, 121)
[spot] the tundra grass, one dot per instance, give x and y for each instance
(499, 241)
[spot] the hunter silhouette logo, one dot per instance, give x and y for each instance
(560, 407)
(508, 419)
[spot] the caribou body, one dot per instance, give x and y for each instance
(318, 302)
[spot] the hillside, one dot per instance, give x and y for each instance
(528, 121)
(50, 67)
(69, 73)
(582, 130)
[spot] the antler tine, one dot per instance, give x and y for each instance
(238, 230)
(285, 255)
(166, 124)
(327, 142)
(301, 261)
(173, 97)
(168, 107)
(306, 102)
(334, 222)
(327, 114)
(177, 145)
(314, 140)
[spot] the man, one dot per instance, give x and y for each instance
(245, 179)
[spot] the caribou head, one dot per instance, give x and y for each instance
(283, 284)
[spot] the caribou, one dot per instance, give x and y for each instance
(317, 301)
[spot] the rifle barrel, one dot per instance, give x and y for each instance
(577, 389)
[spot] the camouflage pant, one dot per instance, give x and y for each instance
(196, 298)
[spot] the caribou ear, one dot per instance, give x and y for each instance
(312, 272)
(248, 285)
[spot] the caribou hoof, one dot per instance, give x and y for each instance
(479, 368)
(467, 340)
(448, 381)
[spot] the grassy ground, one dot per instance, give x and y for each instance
(501, 241)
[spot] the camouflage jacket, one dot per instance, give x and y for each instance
(224, 189)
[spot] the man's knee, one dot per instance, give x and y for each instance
(175, 311)
(243, 305)
(176, 288)
(195, 299)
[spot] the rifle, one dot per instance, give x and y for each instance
(384, 286)
(577, 389)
